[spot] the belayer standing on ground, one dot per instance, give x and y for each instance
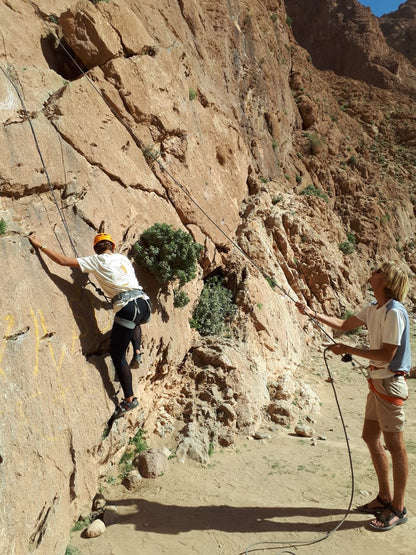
(390, 361)
(115, 274)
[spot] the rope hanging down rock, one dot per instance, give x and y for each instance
(45, 170)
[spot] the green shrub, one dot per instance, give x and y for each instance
(167, 253)
(347, 247)
(81, 523)
(315, 142)
(273, 17)
(271, 281)
(139, 442)
(351, 237)
(192, 94)
(3, 227)
(289, 21)
(314, 191)
(214, 309)
(180, 298)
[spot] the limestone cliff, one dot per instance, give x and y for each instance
(288, 161)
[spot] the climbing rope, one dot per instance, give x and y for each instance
(45, 171)
(256, 545)
(28, 118)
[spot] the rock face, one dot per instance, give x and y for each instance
(187, 110)
(399, 29)
(343, 36)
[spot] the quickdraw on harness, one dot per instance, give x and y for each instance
(128, 296)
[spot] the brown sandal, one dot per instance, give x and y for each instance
(366, 509)
(386, 520)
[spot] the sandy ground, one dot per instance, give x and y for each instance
(280, 490)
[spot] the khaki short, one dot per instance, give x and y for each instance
(390, 417)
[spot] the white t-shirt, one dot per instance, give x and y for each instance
(382, 328)
(114, 273)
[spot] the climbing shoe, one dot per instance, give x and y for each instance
(124, 407)
(136, 360)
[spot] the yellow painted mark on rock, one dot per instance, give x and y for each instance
(74, 340)
(35, 322)
(46, 333)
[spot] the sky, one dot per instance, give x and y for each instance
(380, 7)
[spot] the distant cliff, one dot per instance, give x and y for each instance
(399, 28)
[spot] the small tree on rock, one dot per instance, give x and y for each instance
(168, 253)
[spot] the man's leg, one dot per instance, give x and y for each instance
(395, 444)
(372, 436)
(120, 339)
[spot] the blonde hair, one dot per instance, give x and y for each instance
(397, 282)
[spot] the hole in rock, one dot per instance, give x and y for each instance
(57, 57)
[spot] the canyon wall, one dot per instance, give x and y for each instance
(211, 117)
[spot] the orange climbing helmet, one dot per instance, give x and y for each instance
(103, 237)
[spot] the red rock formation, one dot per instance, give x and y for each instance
(346, 38)
(399, 29)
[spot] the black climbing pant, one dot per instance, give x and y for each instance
(121, 337)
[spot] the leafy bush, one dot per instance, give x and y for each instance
(312, 190)
(214, 309)
(271, 281)
(351, 237)
(315, 142)
(2, 227)
(167, 253)
(180, 298)
(346, 247)
(139, 442)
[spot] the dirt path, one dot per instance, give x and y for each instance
(280, 490)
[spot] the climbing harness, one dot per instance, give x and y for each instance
(127, 296)
(398, 401)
